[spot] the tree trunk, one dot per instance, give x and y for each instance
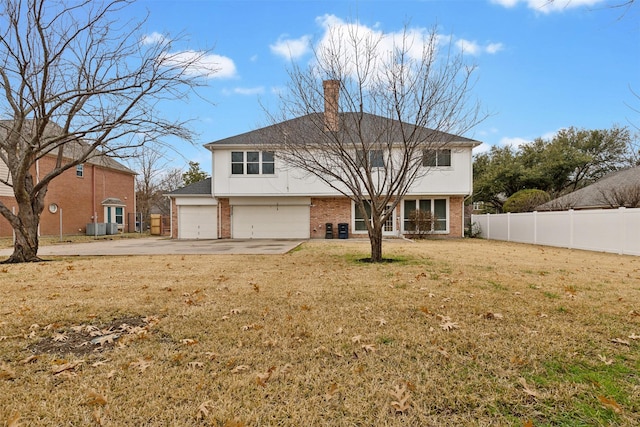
(25, 247)
(375, 238)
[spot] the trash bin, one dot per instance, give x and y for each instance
(328, 231)
(343, 230)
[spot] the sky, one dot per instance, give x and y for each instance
(541, 66)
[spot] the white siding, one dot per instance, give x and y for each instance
(5, 190)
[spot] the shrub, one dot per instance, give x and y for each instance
(525, 200)
(420, 223)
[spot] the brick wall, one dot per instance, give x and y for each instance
(331, 209)
(174, 219)
(77, 197)
(455, 217)
(224, 224)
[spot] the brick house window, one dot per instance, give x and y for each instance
(80, 171)
(437, 207)
(252, 163)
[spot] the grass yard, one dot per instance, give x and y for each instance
(453, 333)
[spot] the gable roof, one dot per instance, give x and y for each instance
(200, 188)
(370, 126)
(594, 196)
(75, 148)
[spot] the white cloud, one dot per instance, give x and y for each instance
(201, 64)
(468, 47)
(493, 48)
(249, 90)
(153, 38)
(548, 6)
(291, 48)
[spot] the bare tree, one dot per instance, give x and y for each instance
(78, 83)
(622, 196)
(415, 91)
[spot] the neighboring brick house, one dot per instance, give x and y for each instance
(252, 195)
(101, 186)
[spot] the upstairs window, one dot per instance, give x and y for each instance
(252, 163)
(80, 171)
(436, 158)
(376, 158)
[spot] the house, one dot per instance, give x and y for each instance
(100, 187)
(617, 189)
(252, 195)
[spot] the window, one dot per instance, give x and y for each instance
(437, 208)
(80, 171)
(119, 215)
(360, 221)
(376, 158)
(252, 163)
(436, 158)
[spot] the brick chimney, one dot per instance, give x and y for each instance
(331, 96)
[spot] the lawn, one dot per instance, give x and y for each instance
(451, 333)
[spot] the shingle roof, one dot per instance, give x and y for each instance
(73, 149)
(594, 195)
(371, 126)
(200, 188)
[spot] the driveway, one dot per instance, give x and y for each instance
(165, 246)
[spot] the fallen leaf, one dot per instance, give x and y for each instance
(95, 398)
(356, 339)
(604, 359)
(381, 322)
(443, 352)
(6, 373)
(105, 339)
(448, 325)
(634, 337)
(529, 423)
(333, 389)
(620, 341)
(14, 420)
(531, 392)
(239, 368)
(188, 341)
(142, 364)
(369, 348)
(492, 316)
(60, 337)
(66, 367)
(203, 409)
(262, 378)
(610, 403)
(195, 365)
(29, 359)
(402, 400)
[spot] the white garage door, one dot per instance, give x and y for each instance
(197, 222)
(270, 222)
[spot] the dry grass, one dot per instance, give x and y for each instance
(453, 333)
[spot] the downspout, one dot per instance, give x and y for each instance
(93, 200)
(37, 181)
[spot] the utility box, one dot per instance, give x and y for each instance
(111, 228)
(343, 230)
(96, 229)
(328, 231)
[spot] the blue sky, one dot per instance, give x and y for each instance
(541, 66)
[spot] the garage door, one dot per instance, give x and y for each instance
(270, 222)
(197, 222)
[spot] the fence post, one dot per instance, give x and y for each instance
(571, 229)
(622, 235)
(488, 226)
(508, 226)
(535, 227)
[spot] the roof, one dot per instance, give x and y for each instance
(75, 148)
(200, 188)
(596, 196)
(371, 126)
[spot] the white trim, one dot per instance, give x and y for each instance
(394, 219)
(432, 198)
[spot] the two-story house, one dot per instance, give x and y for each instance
(253, 195)
(99, 190)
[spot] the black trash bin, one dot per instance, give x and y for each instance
(343, 230)
(328, 231)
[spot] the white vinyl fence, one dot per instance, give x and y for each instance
(605, 230)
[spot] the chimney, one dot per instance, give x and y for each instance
(331, 96)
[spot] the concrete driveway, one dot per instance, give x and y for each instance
(165, 246)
